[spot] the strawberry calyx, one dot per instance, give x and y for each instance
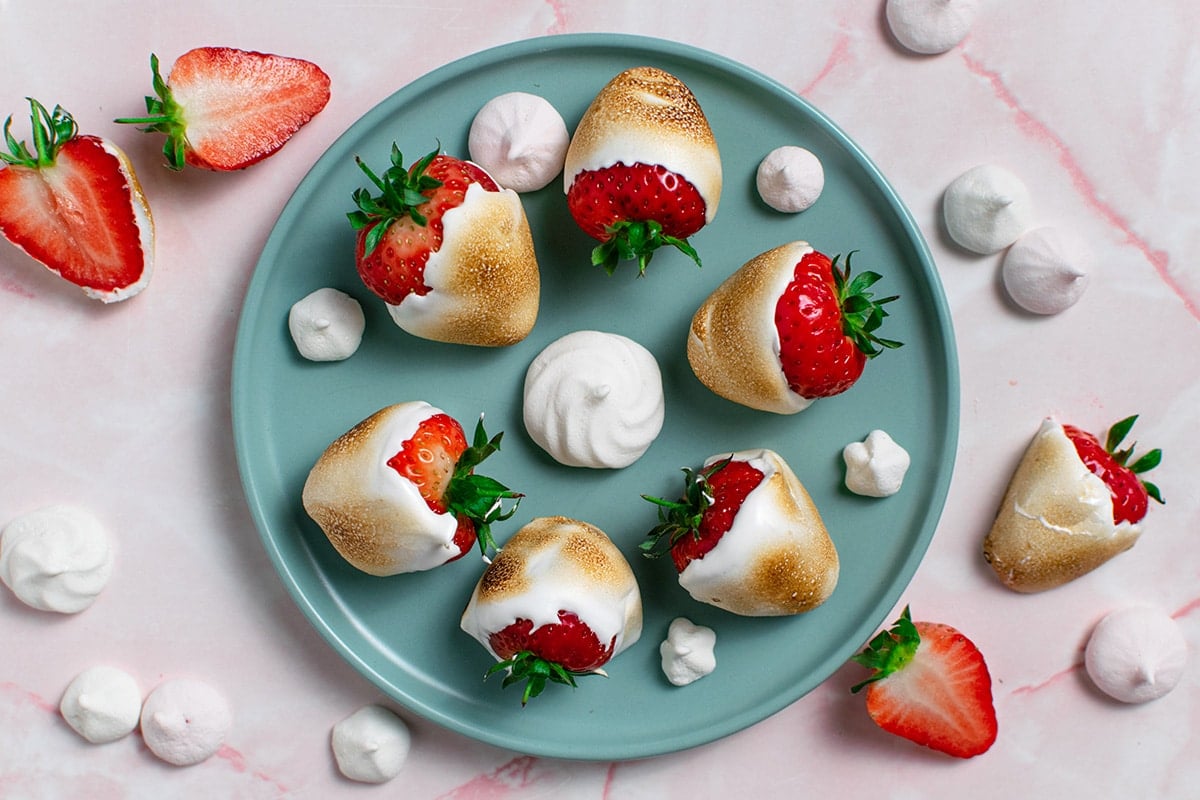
(51, 130)
(401, 190)
(680, 518)
(862, 314)
(478, 497)
(164, 115)
(536, 672)
(1144, 463)
(637, 239)
(889, 651)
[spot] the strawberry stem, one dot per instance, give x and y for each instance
(890, 650)
(401, 190)
(536, 672)
(478, 497)
(862, 314)
(637, 239)
(50, 130)
(163, 115)
(678, 518)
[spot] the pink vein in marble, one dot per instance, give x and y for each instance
(839, 55)
(1039, 131)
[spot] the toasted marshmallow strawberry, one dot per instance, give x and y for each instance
(642, 169)
(397, 492)
(1072, 505)
(558, 602)
(746, 537)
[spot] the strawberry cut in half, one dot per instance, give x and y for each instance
(225, 109)
(438, 461)
(691, 526)
(557, 652)
(930, 685)
(74, 204)
(1131, 494)
(634, 210)
(398, 229)
(827, 323)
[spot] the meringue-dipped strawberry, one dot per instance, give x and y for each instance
(224, 109)
(745, 536)
(931, 685)
(1071, 505)
(398, 491)
(642, 169)
(791, 325)
(74, 204)
(557, 603)
(448, 250)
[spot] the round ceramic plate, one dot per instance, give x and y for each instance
(403, 632)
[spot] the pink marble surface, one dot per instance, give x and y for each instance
(125, 409)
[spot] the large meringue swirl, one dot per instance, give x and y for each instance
(594, 399)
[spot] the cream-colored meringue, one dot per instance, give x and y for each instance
(1045, 270)
(520, 139)
(327, 325)
(185, 721)
(102, 704)
(931, 26)
(790, 179)
(687, 652)
(875, 467)
(371, 745)
(594, 399)
(57, 558)
(987, 208)
(1136, 654)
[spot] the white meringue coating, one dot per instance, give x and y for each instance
(102, 704)
(371, 745)
(185, 721)
(594, 399)
(687, 652)
(1045, 270)
(1136, 654)
(987, 208)
(790, 179)
(520, 139)
(929, 27)
(58, 558)
(326, 325)
(875, 467)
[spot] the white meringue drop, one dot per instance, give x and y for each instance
(520, 139)
(102, 704)
(371, 745)
(185, 721)
(1136, 654)
(1045, 270)
(790, 179)
(57, 558)
(875, 467)
(687, 652)
(326, 325)
(929, 27)
(987, 208)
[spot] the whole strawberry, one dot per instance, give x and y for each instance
(225, 109)
(642, 169)
(74, 204)
(448, 250)
(930, 685)
(789, 326)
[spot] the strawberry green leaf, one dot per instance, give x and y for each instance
(862, 313)
(535, 671)
(163, 115)
(50, 131)
(1154, 492)
(630, 240)
(679, 518)
(1147, 462)
(1118, 432)
(889, 651)
(478, 497)
(402, 190)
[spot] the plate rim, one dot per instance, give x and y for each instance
(239, 381)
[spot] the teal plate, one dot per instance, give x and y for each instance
(402, 632)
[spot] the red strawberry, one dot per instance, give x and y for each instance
(554, 652)
(402, 227)
(225, 109)
(75, 205)
(826, 324)
(634, 210)
(1130, 494)
(712, 497)
(438, 461)
(930, 685)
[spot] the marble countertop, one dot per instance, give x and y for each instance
(125, 410)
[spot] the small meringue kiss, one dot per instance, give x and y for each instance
(986, 209)
(520, 139)
(876, 466)
(1136, 654)
(929, 27)
(790, 179)
(102, 704)
(371, 745)
(1044, 271)
(326, 325)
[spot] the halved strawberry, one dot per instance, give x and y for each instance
(225, 109)
(690, 527)
(401, 227)
(1130, 494)
(75, 205)
(827, 323)
(930, 685)
(557, 652)
(437, 460)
